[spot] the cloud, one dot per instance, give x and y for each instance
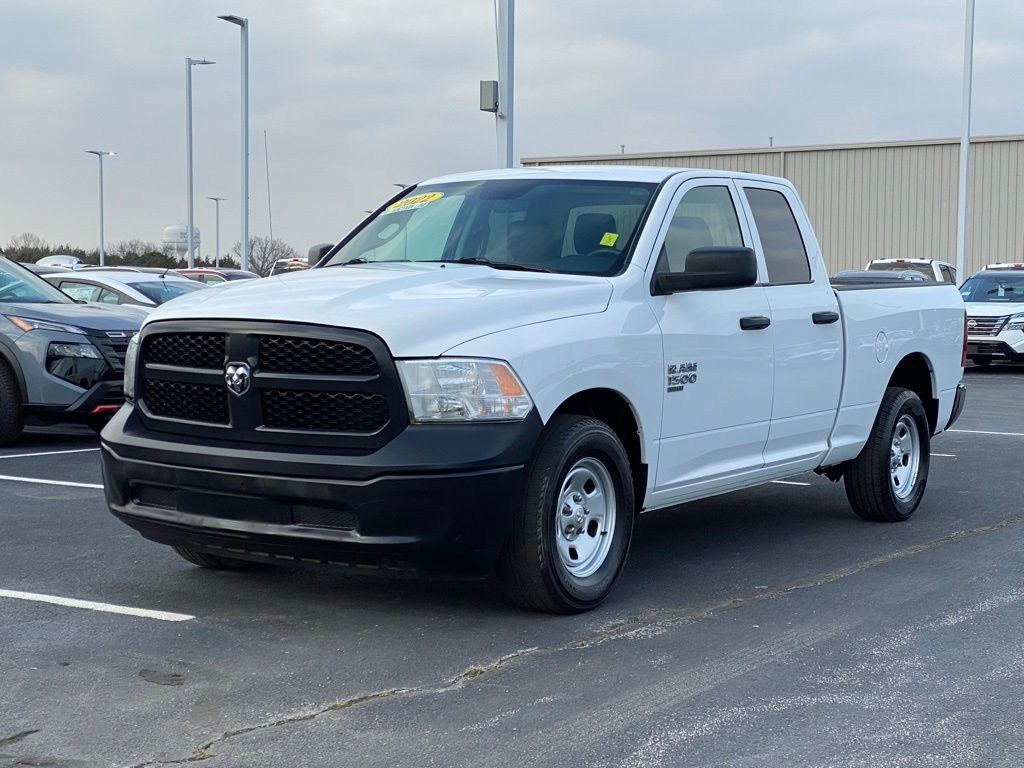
(33, 88)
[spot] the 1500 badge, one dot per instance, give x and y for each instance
(681, 374)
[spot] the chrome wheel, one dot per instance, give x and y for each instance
(585, 519)
(904, 457)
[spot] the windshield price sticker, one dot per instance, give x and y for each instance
(609, 239)
(413, 202)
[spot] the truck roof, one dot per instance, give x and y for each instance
(600, 173)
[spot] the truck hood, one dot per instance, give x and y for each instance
(88, 317)
(419, 309)
(993, 308)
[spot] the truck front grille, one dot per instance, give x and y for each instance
(203, 403)
(355, 412)
(985, 326)
(300, 385)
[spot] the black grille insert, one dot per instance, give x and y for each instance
(187, 350)
(349, 412)
(206, 403)
(293, 354)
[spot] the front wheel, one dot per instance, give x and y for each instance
(213, 562)
(573, 527)
(886, 481)
(982, 362)
(12, 418)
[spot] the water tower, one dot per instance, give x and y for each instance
(175, 241)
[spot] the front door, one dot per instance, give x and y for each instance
(718, 376)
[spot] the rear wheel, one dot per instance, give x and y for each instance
(573, 527)
(886, 481)
(12, 418)
(213, 562)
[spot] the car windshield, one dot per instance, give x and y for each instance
(240, 276)
(551, 225)
(994, 287)
(902, 266)
(159, 291)
(18, 284)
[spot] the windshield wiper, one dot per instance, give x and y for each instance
(514, 265)
(364, 260)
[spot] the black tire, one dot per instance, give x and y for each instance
(531, 569)
(869, 486)
(12, 418)
(982, 362)
(97, 423)
(213, 562)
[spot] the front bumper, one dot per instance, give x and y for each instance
(102, 399)
(996, 348)
(435, 497)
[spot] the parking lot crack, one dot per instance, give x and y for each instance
(636, 627)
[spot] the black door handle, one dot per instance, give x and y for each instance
(824, 318)
(754, 323)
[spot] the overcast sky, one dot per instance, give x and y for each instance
(358, 94)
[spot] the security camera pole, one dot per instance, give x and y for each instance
(497, 96)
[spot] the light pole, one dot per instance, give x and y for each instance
(101, 153)
(506, 82)
(189, 63)
(965, 144)
(243, 24)
(216, 203)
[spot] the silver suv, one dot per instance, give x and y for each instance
(59, 360)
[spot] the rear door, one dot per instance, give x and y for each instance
(807, 329)
(718, 377)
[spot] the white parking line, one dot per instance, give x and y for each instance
(981, 432)
(89, 605)
(788, 482)
(46, 453)
(41, 481)
(945, 455)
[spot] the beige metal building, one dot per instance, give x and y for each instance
(885, 199)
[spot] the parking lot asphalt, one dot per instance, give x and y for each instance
(769, 627)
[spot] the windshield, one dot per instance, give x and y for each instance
(18, 284)
(901, 266)
(240, 276)
(159, 291)
(566, 226)
(994, 287)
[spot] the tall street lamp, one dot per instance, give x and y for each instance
(243, 24)
(216, 202)
(189, 63)
(101, 153)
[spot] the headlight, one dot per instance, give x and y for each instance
(131, 356)
(31, 324)
(1016, 323)
(78, 364)
(463, 390)
(59, 349)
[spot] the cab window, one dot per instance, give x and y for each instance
(784, 251)
(705, 217)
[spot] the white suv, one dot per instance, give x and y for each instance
(995, 314)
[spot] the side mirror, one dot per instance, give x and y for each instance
(712, 267)
(317, 252)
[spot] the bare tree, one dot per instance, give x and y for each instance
(129, 250)
(263, 252)
(27, 247)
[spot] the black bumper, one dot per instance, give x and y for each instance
(992, 350)
(102, 399)
(436, 496)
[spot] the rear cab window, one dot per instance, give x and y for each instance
(785, 254)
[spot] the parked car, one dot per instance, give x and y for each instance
(43, 269)
(144, 289)
(505, 368)
(217, 276)
(59, 361)
(60, 260)
(995, 314)
(282, 266)
(932, 269)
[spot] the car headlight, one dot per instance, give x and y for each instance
(131, 357)
(31, 324)
(1016, 323)
(79, 364)
(452, 389)
(60, 349)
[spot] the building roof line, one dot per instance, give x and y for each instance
(545, 160)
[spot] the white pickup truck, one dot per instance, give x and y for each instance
(503, 369)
